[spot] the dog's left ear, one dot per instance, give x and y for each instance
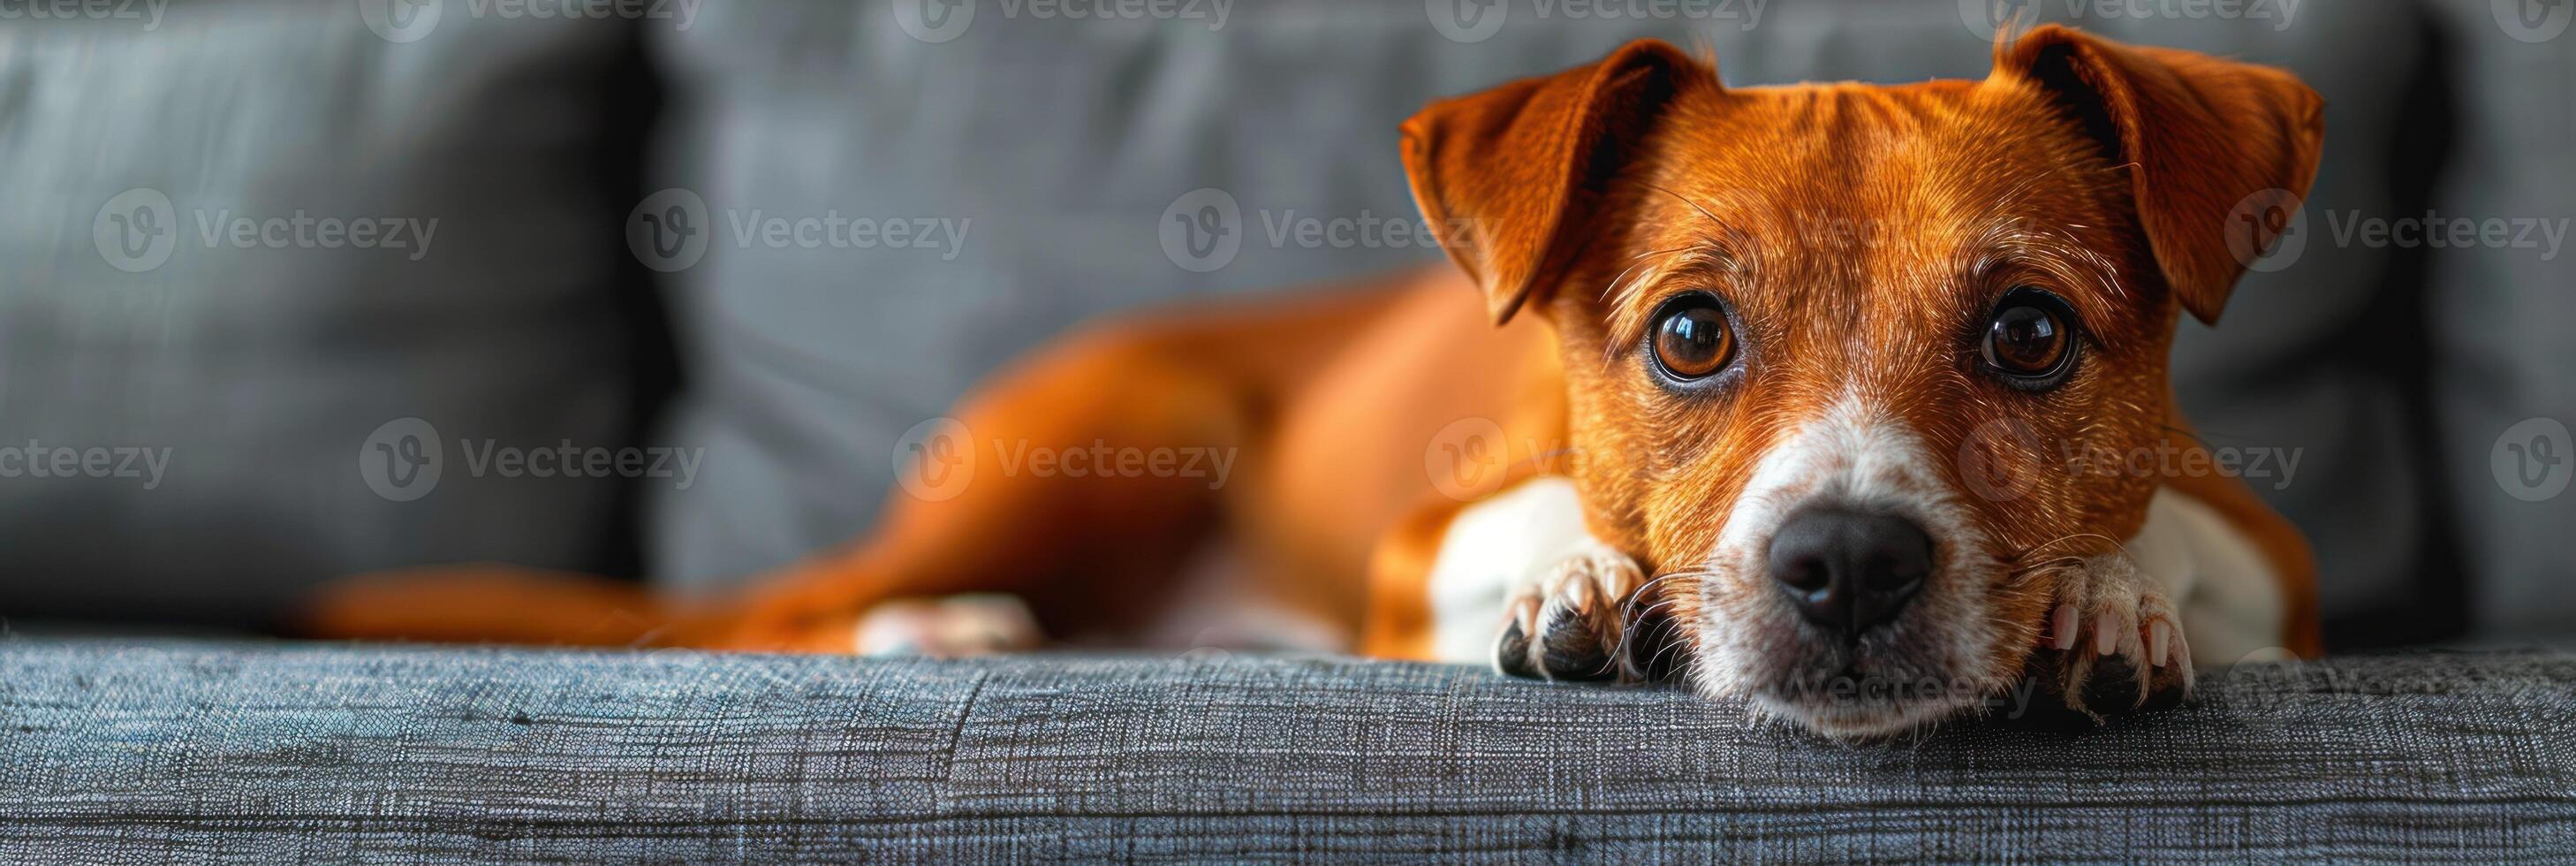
(2201, 135)
(1508, 176)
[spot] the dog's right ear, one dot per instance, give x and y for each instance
(1506, 177)
(2200, 137)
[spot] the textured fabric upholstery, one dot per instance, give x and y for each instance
(161, 752)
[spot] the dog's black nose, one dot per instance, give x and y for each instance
(1849, 570)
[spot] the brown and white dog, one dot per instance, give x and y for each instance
(1671, 410)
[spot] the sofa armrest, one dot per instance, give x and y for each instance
(143, 752)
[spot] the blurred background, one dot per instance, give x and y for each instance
(291, 290)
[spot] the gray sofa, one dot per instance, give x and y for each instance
(167, 752)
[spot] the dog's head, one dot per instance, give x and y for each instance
(1820, 340)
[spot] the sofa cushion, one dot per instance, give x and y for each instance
(2503, 315)
(242, 243)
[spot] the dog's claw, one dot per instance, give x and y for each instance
(2134, 627)
(1511, 653)
(1571, 623)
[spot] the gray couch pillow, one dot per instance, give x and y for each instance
(2503, 313)
(1060, 147)
(240, 240)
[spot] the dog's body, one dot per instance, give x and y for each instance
(1702, 402)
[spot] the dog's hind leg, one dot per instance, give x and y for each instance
(1079, 482)
(1065, 483)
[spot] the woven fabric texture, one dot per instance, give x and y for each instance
(165, 752)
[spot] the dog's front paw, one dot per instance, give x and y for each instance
(2117, 640)
(1571, 623)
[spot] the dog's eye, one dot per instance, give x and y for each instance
(2030, 340)
(1691, 338)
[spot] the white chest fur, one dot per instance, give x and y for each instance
(2231, 602)
(1492, 546)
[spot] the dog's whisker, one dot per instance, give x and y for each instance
(2072, 536)
(1658, 579)
(2059, 562)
